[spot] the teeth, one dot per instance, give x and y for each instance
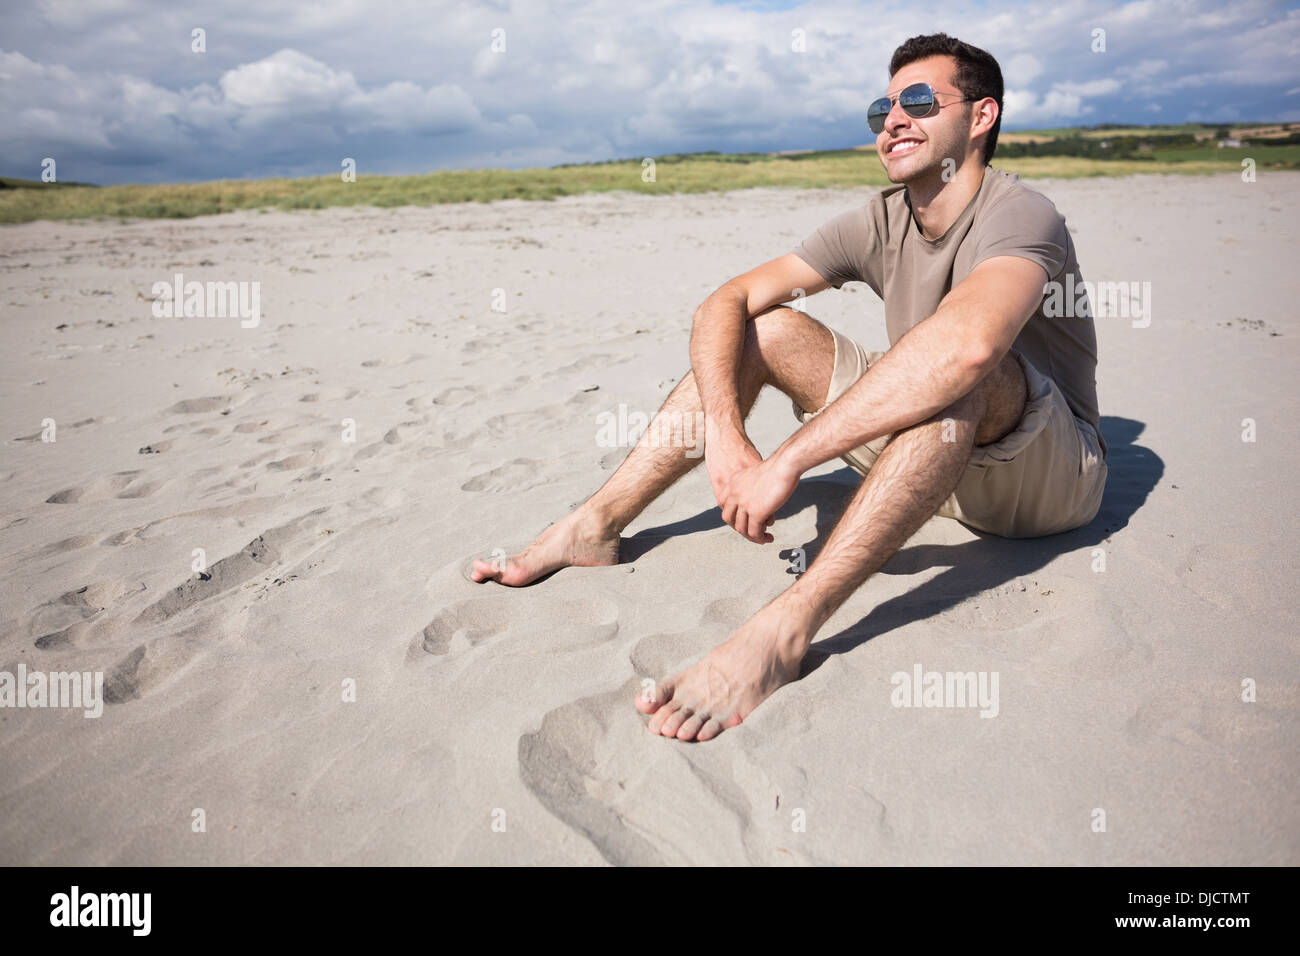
(905, 145)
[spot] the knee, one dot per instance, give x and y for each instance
(993, 407)
(1003, 394)
(767, 331)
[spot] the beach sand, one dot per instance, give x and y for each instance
(334, 690)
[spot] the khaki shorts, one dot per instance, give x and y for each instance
(1045, 477)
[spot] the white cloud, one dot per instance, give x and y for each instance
(1025, 107)
(286, 86)
(1021, 69)
(287, 80)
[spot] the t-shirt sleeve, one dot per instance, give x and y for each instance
(1025, 225)
(841, 249)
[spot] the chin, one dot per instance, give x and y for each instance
(905, 172)
(895, 171)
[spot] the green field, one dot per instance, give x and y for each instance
(25, 201)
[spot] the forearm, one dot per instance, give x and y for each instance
(931, 367)
(717, 340)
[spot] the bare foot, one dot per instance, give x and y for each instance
(575, 540)
(739, 674)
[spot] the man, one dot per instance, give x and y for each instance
(984, 409)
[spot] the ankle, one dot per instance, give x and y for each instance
(801, 619)
(598, 523)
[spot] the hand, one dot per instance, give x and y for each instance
(727, 452)
(752, 497)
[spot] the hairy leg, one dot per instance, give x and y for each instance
(783, 347)
(913, 476)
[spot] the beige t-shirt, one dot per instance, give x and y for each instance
(881, 244)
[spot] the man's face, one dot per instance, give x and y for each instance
(910, 148)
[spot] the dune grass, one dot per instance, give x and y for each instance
(25, 201)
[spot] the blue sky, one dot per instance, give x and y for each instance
(114, 92)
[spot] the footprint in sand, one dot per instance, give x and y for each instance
(119, 485)
(391, 362)
(194, 406)
(585, 622)
(63, 546)
(153, 662)
(331, 395)
(587, 363)
(85, 422)
(66, 619)
(456, 395)
(593, 765)
(291, 463)
(119, 538)
(257, 557)
(544, 419)
(560, 765)
(517, 475)
(404, 431)
(141, 489)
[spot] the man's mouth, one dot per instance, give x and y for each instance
(902, 146)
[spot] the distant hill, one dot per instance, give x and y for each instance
(1193, 148)
(7, 182)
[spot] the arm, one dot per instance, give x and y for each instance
(934, 364)
(717, 338)
(718, 332)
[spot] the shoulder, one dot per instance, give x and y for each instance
(889, 208)
(1009, 197)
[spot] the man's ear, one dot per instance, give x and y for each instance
(984, 113)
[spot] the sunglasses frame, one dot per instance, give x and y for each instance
(933, 107)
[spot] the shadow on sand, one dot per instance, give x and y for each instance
(972, 567)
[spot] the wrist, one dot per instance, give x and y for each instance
(724, 429)
(784, 464)
(786, 460)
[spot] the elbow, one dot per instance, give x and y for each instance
(728, 293)
(978, 359)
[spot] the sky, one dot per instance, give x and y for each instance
(116, 91)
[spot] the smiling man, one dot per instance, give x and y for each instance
(984, 408)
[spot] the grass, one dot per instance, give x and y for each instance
(25, 200)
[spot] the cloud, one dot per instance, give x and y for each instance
(1021, 69)
(113, 90)
(1025, 107)
(287, 80)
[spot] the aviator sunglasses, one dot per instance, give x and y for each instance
(917, 101)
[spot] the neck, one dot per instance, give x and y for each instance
(937, 204)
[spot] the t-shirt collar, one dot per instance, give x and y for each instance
(961, 218)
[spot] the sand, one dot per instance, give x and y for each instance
(333, 690)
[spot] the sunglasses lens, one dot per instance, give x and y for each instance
(876, 114)
(917, 100)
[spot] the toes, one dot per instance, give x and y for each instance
(675, 721)
(663, 714)
(483, 571)
(712, 727)
(663, 693)
(689, 729)
(514, 575)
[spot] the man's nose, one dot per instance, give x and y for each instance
(895, 114)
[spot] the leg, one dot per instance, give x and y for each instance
(783, 348)
(905, 487)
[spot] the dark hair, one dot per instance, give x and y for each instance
(978, 74)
